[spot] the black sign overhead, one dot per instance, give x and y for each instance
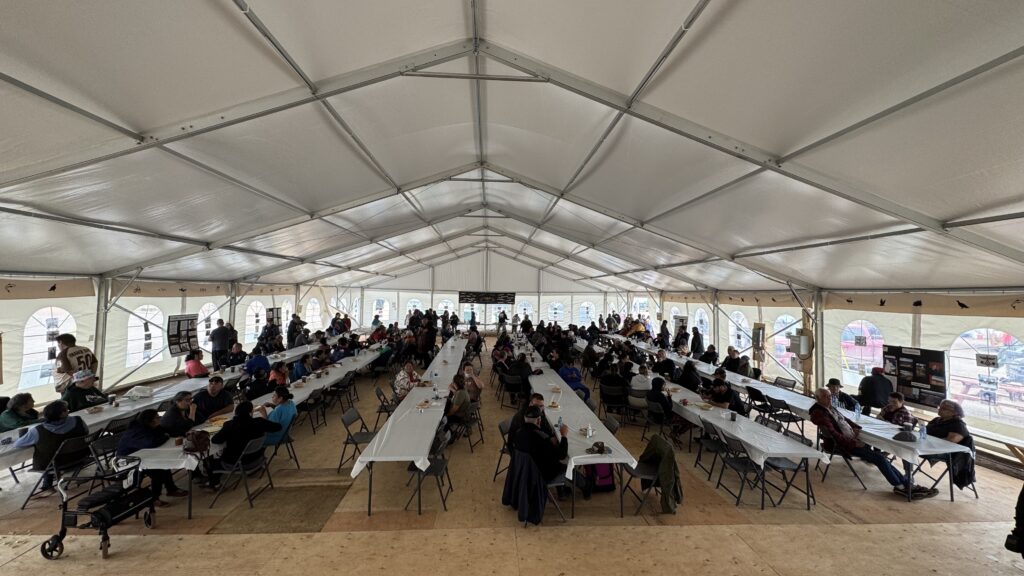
(487, 297)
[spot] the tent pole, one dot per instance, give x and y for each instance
(819, 333)
(100, 333)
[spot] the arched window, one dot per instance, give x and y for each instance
(286, 312)
(445, 306)
(860, 348)
(641, 307)
(784, 328)
(145, 336)
(255, 316)
(382, 308)
(39, 348)
(334, 304)
(208, 316)
(342, 306)
(413, 304)
(470, 308)
(314, 320)
(739, 331)
(700, 320)
(525, 307)
(981, 388)
(587, 314)
(556, 312)
(672, 317)
(495, 309)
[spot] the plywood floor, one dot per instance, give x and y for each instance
(850, 531)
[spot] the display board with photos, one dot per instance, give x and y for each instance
(917, 373)
(487, 298)
(182, 334)
(274, 315)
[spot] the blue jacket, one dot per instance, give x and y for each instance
(257, 363)
(298, 371)
(283, 415)
(139, 437)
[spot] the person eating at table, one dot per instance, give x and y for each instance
(283, 412)
(405, 381)
(302, 367)
(46, 438)
(723, 396)
(896, 412)
(949, 424)
(145, 432)
(663, 366)
(278, 374)
(458, 402)
(536, 401)
(83, 392)
(181, 416)
(235, 434)
(841, 436)
(473, 384)
(841, 399)
(20, 412)
(235, 357)
(572, 376)
(710, 356)
(212, 400)
(256, 361)
(547, 450)
(690, 378)
(194, 367)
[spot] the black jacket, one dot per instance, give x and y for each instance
(139, 437)
(238, 431)
(525, 489)
(547, 455)
(175, 423)
(875, 390)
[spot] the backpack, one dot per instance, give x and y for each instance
(197, 442)
(603, 477)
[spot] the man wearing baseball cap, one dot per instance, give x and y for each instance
(841, 399)
(83, 392)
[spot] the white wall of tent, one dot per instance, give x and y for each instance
(721, 156)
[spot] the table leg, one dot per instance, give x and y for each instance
(190, 494)
(908, 470)
(369, 492)
(807, 481)
(621, 494)
(949, 472)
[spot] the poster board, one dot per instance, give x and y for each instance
(757, 337)
(274, 314)
(182, 334)
(487, 298)
(682, 322)
(919, 374)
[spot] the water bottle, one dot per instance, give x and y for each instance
(923, 435)
(559, 423)
(435, 391)
(856, 416)
(590, 431)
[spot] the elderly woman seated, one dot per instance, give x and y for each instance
(949, 425)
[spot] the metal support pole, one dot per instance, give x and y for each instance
(819, 339)
(102, 286)
(714, 321)
(233, 302)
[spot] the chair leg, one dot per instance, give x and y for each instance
(33, 492)
(497, 467)
(855, 475)
(341, 462)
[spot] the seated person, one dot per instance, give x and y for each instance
(642, 380)
(458, 402)
(626, 370)
(949, 424)
(194, 367)
(83, 392)
(236, 356)
(555, 360)
(181, 416)
(841, 399)
(690, 378)
(283, 412)
(58, 425)
(256, 361)
(277, 345)
(547, 451)
(20, 412)
(144, 433)
(732, 359)
(572, 376)
(278, 374)
(710, 356)
(663, 366)
(474, 386)
(303, 367)
(745, 369)
(536, 400)
(339, 352)
(212, 401)
(896, 412)
(258, 385)
(405, 381)
(723, 396)
(840, 436)
(235, 434)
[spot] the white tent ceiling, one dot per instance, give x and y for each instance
(656, 145)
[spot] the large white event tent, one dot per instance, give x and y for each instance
(157, 157)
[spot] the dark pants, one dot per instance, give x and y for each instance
(160, 481)
(219, 359)
(894, 476)
(1019, 529)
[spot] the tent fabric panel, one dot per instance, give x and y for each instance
(297, 274)
(186, 58)
(887, 52)
(302, 239)
(363, 253)
(212, 265)
(415, 127)
(414, 238)
(546, 240)
(541, 130)
(1007, 232)
(605, 260)
(379, 219)
(457, 226)
(511, 276)
(581, 270)
(780, 211)
(652, 248)
(526, 202)
(47, 246)
(35, 134)
(643, 170)
(446, 197)
(906, 262)
(297, 154)
(145, 190)
(964, 146)
(328, 38)
(726, 276)
(510, 226)
(661, 281)
(611, 43)
(581, 222)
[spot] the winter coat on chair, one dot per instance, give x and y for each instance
(525, 490)
(659, 450)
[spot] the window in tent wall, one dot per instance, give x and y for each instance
(343, 306)
(286, 312)
(703, 324)
(739, 331)
(39, 345)
(208, 316)
(468, 309)
(334, 305)
(255, 316)
(314, 320)
(355, 312)
(145, 338)
(641, 307)
(445, 306)
(495, 309)
(413, 304)
(860, 350)
(992, 393)
(673, 313)
(587, 313)
(524, 308)
(556, 312)
(382, 308)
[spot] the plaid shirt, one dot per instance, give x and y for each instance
(899, 416)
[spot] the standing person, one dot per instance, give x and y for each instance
(874, 390)
(682, 338)
(71, 358)
(664, 335)
(233, 335)
(696, 344)
(515, 322)
(294, 329)
(145, 433)
(502, 320)
(220, 343)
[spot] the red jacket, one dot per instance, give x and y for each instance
(824, 420)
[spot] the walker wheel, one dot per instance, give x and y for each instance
(149, 519)
(52, 548)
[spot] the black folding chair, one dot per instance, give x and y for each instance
(647, 473)
(783, 414)
(251, 461)
(357, 439)
(71, 457)
(823, 435)
(385, 406)
(313, 410)
(503, 428)
(289, 446)
(709, 441)
(736, 457)
(655, 418)
(948, 459)
(437, 468)
(785, 465)
(756, 400)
